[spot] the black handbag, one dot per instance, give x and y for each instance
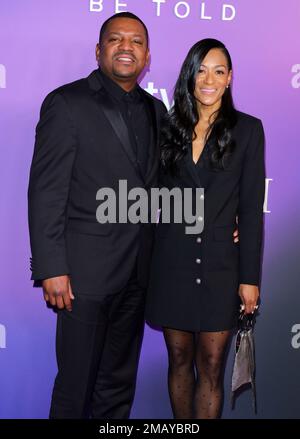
(244, 362)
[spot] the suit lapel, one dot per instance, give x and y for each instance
(214, 196)
(217, 194)
(153, 146)
(118, 124)
(191, 168)
(114, 117)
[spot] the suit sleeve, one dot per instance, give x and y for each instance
(250, 213)
(49, 185)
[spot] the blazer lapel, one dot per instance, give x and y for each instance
(191, 168)
(118, 124)
(114, 117)
(214, 196)
(153, 152)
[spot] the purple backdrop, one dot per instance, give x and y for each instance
(46, 44)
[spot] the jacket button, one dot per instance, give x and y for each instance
(198, 281)
(198, 240)
(198, 261)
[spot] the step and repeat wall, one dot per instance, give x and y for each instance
(44, 44)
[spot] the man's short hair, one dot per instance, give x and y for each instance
(122, 15)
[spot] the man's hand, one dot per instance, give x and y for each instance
(58, 291)
(236, 236)
(249, 295)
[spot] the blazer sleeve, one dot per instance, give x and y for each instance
(250, 212)
(49, 185)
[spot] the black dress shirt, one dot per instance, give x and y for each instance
(136, 115)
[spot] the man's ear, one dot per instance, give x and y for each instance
(148, 57)
(97, 51)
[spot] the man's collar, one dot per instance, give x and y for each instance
(115, 90)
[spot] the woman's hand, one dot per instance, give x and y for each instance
(249, 295)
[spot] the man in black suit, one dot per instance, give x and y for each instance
(91, 134)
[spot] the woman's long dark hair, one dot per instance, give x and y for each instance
(178, 130)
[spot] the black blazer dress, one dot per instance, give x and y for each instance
(194, 278)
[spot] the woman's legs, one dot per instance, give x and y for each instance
(209, 356)
(191, 398)
(181, 375)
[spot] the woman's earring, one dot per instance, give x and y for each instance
(227, 86)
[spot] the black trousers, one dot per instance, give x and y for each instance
(97, 347)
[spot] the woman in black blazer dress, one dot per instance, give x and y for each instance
(199, 280)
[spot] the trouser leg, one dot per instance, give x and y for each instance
(80, 339)
(115, 385)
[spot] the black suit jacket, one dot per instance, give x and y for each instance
(82, 145)
(202, 272)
